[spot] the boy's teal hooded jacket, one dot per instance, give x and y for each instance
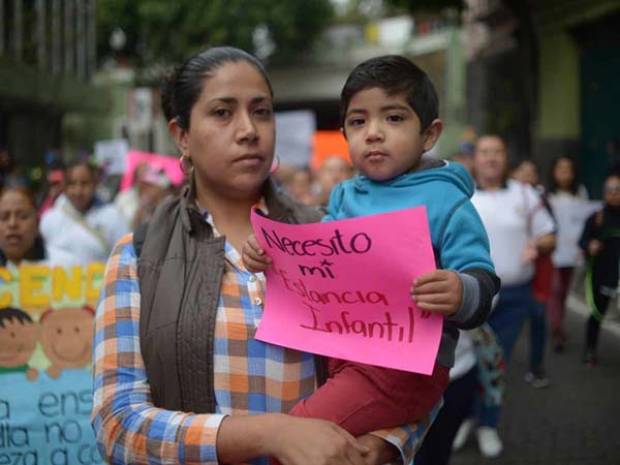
(459, 239)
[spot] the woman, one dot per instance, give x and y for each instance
(197, 307)
(19, 228)
(519, 228)
(80, 228)
(569, 201)
(527, 173)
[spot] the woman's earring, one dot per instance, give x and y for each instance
(275, 164)
(185, 163)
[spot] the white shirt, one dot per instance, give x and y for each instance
(512, 216)
(571, 212)
(69, 242)
(127, 203)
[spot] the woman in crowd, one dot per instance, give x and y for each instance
(519, 228)
(178, 375)
(569, 202)
(600, 242)
(19, 228)
(80, 228)
(527, 173)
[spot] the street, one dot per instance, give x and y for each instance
(575, 420)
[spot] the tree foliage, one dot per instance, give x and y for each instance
(432, 6)
(168, 31)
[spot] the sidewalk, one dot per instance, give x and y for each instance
(572, 422)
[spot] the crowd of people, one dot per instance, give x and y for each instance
(68, 222)
(178, 375)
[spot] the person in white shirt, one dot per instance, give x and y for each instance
(571, 208)
(518, 228)
(80, 228)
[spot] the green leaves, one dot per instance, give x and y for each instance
(165, 31)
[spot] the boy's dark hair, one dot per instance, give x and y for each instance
(395, 75)
(11, 313)
(182, 88)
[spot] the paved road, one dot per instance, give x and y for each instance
(574, 421)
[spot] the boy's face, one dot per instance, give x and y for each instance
(384, 134)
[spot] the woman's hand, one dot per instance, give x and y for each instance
(254, 257)
(290, 440)
(530, 253)
(307, 441)
(439, 291)
(594, 247)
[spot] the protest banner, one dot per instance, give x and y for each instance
(111, 155)
(294, 132)
(165, 163)
(342, 289)
(46, 331)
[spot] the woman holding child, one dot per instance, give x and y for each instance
(178, 375)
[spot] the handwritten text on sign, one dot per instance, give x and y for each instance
(342, 289)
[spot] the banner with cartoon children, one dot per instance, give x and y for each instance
(46, 326)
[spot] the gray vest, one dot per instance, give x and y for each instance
(180, 268)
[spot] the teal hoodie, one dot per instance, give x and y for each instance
(459, 239)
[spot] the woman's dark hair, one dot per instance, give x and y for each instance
(395, 75)
(181, 90)
(574, 185)
(86, 163)
(25, 191)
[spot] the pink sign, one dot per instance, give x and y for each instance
(342, 289)
(170, 165)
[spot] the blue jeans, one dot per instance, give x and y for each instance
(515, 305)
(538, 337)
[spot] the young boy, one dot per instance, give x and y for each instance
(600, 242)
(389, 116)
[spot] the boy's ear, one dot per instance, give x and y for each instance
(179, 135)
(344, 133)
(432, 133)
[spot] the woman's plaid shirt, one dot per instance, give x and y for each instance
(251, 377)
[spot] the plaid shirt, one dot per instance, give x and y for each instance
(250, 377)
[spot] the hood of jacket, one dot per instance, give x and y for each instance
(451, 173)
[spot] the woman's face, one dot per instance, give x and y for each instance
(80, 187)
(612, 191)
(563, 173)
(18, 225)
(527, 173)
(231, 135)
(490, 159)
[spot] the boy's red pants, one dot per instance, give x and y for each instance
(363, 398)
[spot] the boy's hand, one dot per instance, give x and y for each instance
(439, 291)
(254, 257)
